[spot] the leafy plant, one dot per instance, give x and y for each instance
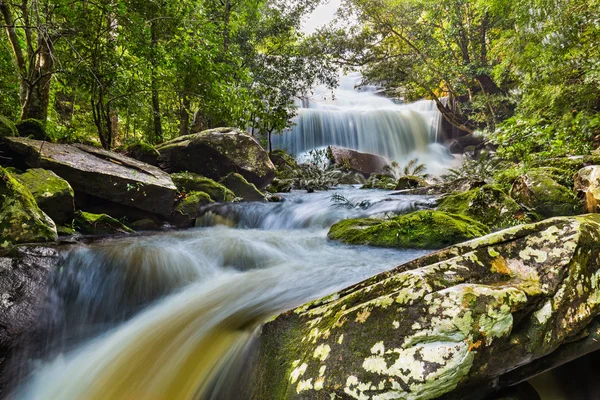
(412, 168)
(481, 168)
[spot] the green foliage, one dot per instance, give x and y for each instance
(481, 168)
(412, 168)
(7, 127)
(32, 128)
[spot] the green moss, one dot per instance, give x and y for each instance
(98, 224)
(539, 190)
(488, 205)
(285, 164)
(142, 151)
(21, 220)
(191, 204)
(410, 182)
(7, 127)
(241, 187)
(189, 182)
(505, 178)
(569, 164)
(420, 229)
(32, 128)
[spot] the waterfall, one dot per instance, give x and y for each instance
(361, 120)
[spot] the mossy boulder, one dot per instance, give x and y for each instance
(285, 164)
(280, 186)
(357, 161)
(539, 190)
(380, 181)
(457, 324)
(192, 203)
(410, 182)
(488, 205)
(21, 220)
(241, 187)
(7, 127)
(53, 194)
(33, 129)
(214, 153)
(99, 224)
(189, 182)
(143, 152)
(417, 230)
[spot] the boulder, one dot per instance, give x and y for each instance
(188, 182)
(217, 152)
(488, 205)
(190, 207)
(53, 194)
(101, 173)
(419, 229)
(98, 224)
(21, 220)
(410, 182)
(143, 152)
(357, 161)
(457, 324)
(242, 188)
(32, 128)
(587, 182)
(540, 191)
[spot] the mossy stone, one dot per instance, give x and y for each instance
(241, 187)
(99, 224)
(143, 152)
(33, 129)
(285, 164)
(410, 182)
(540, 191)
(52, 193)
(418, 230)
(7, 127)
(189, 182)
(488, 205)
(191, 205)
(21, 220)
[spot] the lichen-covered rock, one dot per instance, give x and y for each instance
(419, 229)
(32, 128)
(488, 205)
(98, 224)
(217, 152)
(449, 324)
(540, 191)
(357, 161)
(7, 127)
(191, 205)
(21, 220)
(143, 152)
(380, 181)
(242, 188)
(189, 182)
(587, 182)
(410, 182)
(100, 173)
(53, 194)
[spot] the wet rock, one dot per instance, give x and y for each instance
(191, 206)
(488, 205)
(410, 182)
(451, 324)
(145, 224)
(53, 194)
(21, 220)
(189, 182)
(540, 190)
(587, 182)
(217, 152)
(242, 188)
(420, 229)
(99, 224)
(357, 161)
(101, 173)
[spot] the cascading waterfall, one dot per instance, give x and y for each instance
(171, 316)
(363, 121)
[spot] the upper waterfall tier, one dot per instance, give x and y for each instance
(361, 120)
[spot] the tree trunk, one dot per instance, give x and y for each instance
(226, 30)
(184, 115)
(158, 132)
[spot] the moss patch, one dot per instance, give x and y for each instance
(98, 224)
(7, 127)
(189, 182)
(421, 229)
(241, 187)
(21, 220)
(192, 203)
(488, 205)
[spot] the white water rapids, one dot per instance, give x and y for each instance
(169, 316)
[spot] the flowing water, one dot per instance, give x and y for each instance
(172, 315)
(362, 120)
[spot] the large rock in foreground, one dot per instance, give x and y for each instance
(217, 152)
(21, 220)
(357, 161)
(452, 323)
(101, 173)
(417, 230)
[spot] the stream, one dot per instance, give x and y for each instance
(172, 315)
